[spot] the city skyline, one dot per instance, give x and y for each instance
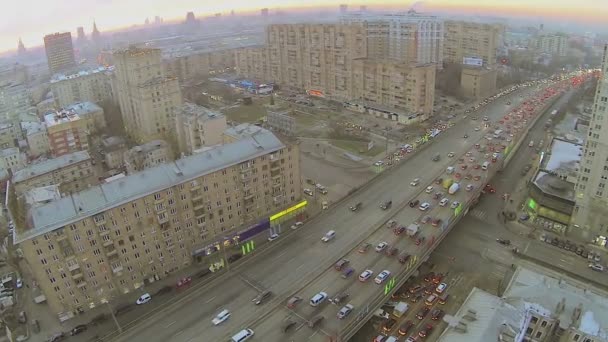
(111, 15)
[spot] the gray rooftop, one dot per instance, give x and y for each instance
(9, 151)
(243, 130)
(81, 73)
(192, 109)
(149, 146)
(33, 127)
(94, 200)
(50, 165)
(557, 175)
(564, 157)
(84, 108)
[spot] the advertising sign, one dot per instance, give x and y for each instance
(473, 61)
(317, 93)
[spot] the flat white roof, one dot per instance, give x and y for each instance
(49, 165)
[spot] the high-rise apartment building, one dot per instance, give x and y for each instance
(253, 62)
(403, 37)
(148, 155)
(553, 44)
(14, 101)
(113, 238)
(93, 85)
(59, 51)
(69, 129)
(147, 97)
(187, 65)
(197, 127)
(463, 39)
(591, 191)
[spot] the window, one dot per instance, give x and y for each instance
(543, 324)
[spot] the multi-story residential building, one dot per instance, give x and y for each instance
(10, 134)
(94, 85)
(71, 172)
(114, 148)
(478, 82)
(402, 37)
(59, 51)
(37, 138)
(147, 97)
(91, 113)
(67, 132)
(591, 191)
(14, 101)
(113, 238)
(554, 44)
(253, 62)
(12, 158)
(145, 156)
(186, 65)
(464, 39)
(197, 127)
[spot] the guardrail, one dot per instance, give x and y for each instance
(365, 313)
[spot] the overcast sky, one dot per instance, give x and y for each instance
(32, 19)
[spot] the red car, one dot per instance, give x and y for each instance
(427, 330)
(457, 176)
(476, 167)
(184, 282)
(420, 240)
(490, 189)
(463, 166)
(436, 278)
(436, 222)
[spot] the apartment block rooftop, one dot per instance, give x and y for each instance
(559, 169)
(60, 117)
(50, 165)
(83, 108)
(191, 109)
(97, 199)
(81, 73)
(244, 130)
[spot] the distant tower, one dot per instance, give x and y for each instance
(81, 37)
(21, 48)
(95, 35)
(343, 8)
(59, 51)
(190, 17)
(264, 12)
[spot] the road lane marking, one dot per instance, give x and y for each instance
(179, 332)
(280, 255)
(208, 301)
(297, 269)
(170, 324)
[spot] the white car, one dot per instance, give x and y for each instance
(444, 202)
(381, 246)
(365, 275)
(221, 317)
(451, 154)
(382, 277)
(143, 299)
(415, 182)
(19, 283)
(329, 236)
(470, 187)
(309, 192)
(424, 206)
(441, 288)
(596, 267)
(297, 225)
(345, 311)
(379, 163)
(429, 189)
(455, 205)
(273, 237)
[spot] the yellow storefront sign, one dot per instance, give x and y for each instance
(288, 210)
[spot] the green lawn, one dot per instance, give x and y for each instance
(357, 147)
(243, 113)
(305, 119)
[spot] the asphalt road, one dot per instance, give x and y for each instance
(300, 255)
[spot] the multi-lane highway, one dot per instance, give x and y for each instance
(300, 256)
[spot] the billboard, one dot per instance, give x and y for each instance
(317, 93)
(474, 61)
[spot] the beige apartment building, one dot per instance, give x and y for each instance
(37, 138)
(478, 82)
(94, 85)
(197, 127)
(147, 97)
(114, 148)
(59, 51)
(12, 158)
(113, 238)
(71, 172)
(252, 62)
(145, 156)
(10, 133)
(188, 65)
(464, 39)
(553, 44)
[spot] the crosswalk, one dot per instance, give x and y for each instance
(480, 214)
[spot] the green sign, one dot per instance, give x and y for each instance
(458, 210)
(532, 204)
(389, 286)
(248, 247)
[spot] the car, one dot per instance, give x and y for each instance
(415, 182)
(504, 242)
(596, 267)
(444, 201)
(485, 118)
(379, 163)
(424, 332)
(309, 192)
(345, 311)
(451, 154)
(429, 289)
(273, 237)
(381, 246)
(297, 225)
(293, 302)
(416, 298)
(436, 279)
(386, 205)
(262, 297)
(329, 236)
(422, 313)
(143, 299)
(470, 187)
(429, 189)
(476, 166)
(56, 337)
(19, 283)
(426, 219)
(389, 324)
(78, 329)
(436, 314)
(438, 181)
(365, 275)
(411, 339)
(420, 240)
(437, 195)
(405, 327)
(317, 299)
(463, 167)
(414, 203)
(441, 288)
(436, 222)
(382, 276)
(454, 205)
(424, 206)
(429, 276)
(364, 247)
(399, 230)
(339, 298)
(356, 206)
(403, 258)
(221, 317)
(392, 251)
(391, 223)
(477, 129)
(341, 264)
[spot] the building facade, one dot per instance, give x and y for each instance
(71, 172)
(478, 82)
(553, 44)
(464, 39)
(197, 127)
(114, 148)
(147, 97)
(14, 101)
(591, 192)
(91, 113)
(59, 52)
(37, 138)
(252, 62)
(67, 132)
(195, 64)
(94, 85)
(132, 231)
(12, 158)
(10, 134)
(145, 156)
